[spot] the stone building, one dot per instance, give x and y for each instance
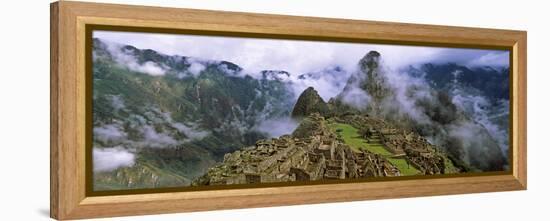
(314, 152)
(319, 156)
(414, 148)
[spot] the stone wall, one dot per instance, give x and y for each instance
(319, 156)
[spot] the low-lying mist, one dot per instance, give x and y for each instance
(461, 119)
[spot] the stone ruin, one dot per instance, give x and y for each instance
(321, 154)
(414, 148)
(287, 158)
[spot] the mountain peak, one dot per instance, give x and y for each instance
(308, 103)
(368, 87)
(370, 60)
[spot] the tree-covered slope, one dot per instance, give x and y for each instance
(176, 115)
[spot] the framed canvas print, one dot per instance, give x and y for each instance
(159, 110)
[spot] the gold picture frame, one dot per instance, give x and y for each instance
(71, 23)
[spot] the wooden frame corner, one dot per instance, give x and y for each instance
(68, 96)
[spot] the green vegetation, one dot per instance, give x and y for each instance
(404, 167)
(181, 122)
(351, 137)
(216, 103)
(143, 175)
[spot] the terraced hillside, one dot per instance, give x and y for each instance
(351, 137)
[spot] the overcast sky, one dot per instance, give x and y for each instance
(298, 57)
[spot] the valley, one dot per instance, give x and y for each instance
(170, 121)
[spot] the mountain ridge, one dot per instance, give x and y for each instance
(181, 115)
(172, 122)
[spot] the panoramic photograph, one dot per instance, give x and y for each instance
(174, 110)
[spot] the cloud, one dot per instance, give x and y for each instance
(318, 61)
(152, 129)
(190, 129)
(277, 127)
(499, 59)
(483, 111)
(148, 67)
(295, 56)
(117, 102)
(407, 91)
(328, 82)
(165, 136)
(196, 67)
(109, 159)
(109, 133)
(357, 98)
(155, 139)
(190, 132)
(234, 124)
(126, 59)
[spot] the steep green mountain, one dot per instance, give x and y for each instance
(163, 120)
(365, 90)
(308, 103)
(412, 104)
(177, 115)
